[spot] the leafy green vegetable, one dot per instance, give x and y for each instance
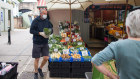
(47, 31)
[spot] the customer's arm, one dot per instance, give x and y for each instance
(33, 28)
(107, 54)
(106, 72)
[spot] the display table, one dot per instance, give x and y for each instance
(69, 69)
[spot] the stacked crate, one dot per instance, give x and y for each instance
(12, 74)
(69, 69)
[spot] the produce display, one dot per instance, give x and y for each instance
(55, 55)
(76, 55)
(65, 56)
(62, 49)
(115, 30)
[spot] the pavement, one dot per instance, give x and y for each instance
(20, 51)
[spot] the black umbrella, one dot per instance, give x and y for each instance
(24, 10)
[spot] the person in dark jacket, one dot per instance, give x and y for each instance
(40, 41)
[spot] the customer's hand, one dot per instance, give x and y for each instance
(43, 34)
(115, 77)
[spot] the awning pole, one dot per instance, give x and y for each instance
(70, 20)
(125, 17)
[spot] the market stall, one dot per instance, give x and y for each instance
(107, 21)
(68, 58)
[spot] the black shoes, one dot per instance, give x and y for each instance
(40, 72)
(36, 76)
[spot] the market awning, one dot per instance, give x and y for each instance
(61, 5)
(41, 2)
(65, 4)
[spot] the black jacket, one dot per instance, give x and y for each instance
(37, 26)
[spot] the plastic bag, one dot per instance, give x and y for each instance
(96, 74)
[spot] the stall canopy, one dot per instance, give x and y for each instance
(65, 4)
(62, 4)
(83, 4)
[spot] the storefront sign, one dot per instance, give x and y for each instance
(110, 7)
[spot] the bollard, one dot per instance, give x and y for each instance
(9, 36)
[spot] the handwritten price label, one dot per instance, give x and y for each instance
(84, 53)
(55, 50)
(65, 51)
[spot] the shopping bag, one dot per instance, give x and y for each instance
(96, 74)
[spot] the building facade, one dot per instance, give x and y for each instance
(7, 11)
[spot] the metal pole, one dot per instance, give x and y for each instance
(117, 17)
(125, 17)
(9, 36)
(70, 20)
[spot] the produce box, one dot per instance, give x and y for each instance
(54, 65)
(12, 74)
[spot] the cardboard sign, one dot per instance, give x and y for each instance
(65, 51)
(117, 34)
(81, 48)
(79, 43)
(67, 38)
(74, 40)
(75, 51)
(84, 53)
(50, 45)
(55, 50)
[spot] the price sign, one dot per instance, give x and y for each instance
(79, 43)
(74, 40)
(50, 45)
(67, 38)
(81, 48)
(117, 34)
(76, 34)
(72, 48)
(65, 51)
(111, 28)
(75, 51)
(54, 41)
(84, 53)
(72, 36)
(55, 50)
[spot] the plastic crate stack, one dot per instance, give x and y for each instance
(12, 73)
(69, 69)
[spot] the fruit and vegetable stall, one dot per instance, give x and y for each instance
(114, 32)
(69, 57)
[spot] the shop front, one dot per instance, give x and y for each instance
(6, 16)
(106, 19)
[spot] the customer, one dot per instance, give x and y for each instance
(40, 41)
(125, 52)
